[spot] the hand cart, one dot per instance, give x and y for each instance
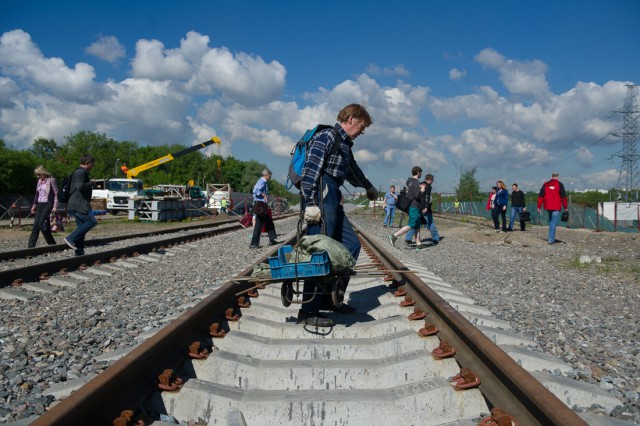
(317, 268)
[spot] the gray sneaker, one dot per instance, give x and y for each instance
(392, 239)
(70, 244)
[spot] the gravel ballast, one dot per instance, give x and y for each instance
(585, 313)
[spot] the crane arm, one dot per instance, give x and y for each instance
(131, 173)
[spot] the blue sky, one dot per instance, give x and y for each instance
(517, 89)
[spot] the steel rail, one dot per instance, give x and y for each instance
(34, 272)
(37, 251)
(505, 384)
(130, 380)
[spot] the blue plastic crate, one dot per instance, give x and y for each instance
(318, 266)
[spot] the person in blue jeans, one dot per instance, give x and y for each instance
(390, 199)
(79, 205)
(325, 170)
(426, 213)
(554, 199)
(518, 205)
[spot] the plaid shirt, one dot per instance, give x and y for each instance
(340, 166)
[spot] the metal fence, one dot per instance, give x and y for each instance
(601, 219)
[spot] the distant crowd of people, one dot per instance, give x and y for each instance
(552, 197)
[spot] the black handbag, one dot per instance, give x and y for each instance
(565, 216)
(260, 208)
(403, 203)
(525, 217)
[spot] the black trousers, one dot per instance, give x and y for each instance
(266, 221)
(41, 224)
(496, 213)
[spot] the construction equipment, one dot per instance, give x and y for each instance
(131, 173)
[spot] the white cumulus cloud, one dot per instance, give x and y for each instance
(107, 48)
(456, 74)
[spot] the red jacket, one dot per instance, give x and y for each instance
(552, 195)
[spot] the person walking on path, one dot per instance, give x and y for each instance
(518, 205)
(261, 211)
(325, 170)
(409, 237)
(491, 206)
(79, 205)
(502, 199)
(390, 199)
(45, 202)
(428, 215)
(413, 192)
(554, 198)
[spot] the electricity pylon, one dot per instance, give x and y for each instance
(629, 177)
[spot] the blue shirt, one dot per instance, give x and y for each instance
(389, 199)
(260, 190)
(341, 166)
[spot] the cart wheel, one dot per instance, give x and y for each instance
(337, 294)
(286, 293)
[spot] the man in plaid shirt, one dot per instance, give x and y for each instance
(325, 170)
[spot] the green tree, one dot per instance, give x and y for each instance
(16, 173)
(468, 187)
(45, 149)
(232, 171)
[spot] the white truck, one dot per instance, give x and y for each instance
(216, 193)
(117, 192)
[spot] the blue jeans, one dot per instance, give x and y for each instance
(339, 228)
(430, 225)
(512, 218)
(388, 218)
(554, 216)
(84, 223)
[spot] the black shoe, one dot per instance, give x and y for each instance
(344, 309)
(409, 243)
(254, 247)
(314, 320)
(274, 242)
(79, 252)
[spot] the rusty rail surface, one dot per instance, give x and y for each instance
(505, 384)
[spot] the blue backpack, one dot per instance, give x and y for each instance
(299, 153)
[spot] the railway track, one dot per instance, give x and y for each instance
(43, 270)
(93, 242)
(372, 368)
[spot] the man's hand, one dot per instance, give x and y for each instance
(372, 193)
(312, 214)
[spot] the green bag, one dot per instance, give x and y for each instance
(339, 256)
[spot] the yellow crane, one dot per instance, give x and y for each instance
(131, 173)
